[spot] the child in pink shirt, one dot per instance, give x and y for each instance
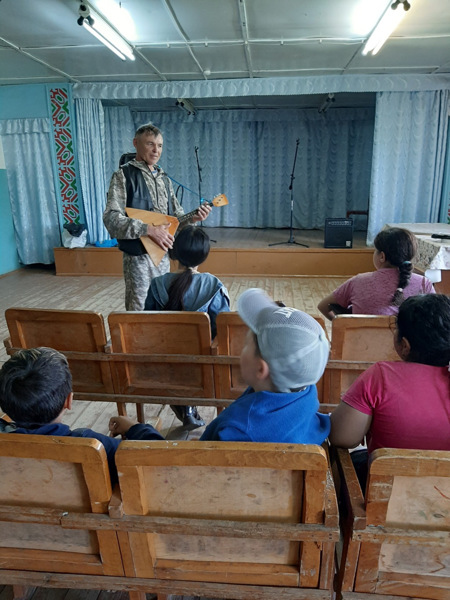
(403, 404)
(382, 291)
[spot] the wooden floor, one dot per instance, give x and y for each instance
(39, 287)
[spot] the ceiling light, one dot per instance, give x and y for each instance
(186, 105)
(329, 99)
(99, 28)
(391, 18)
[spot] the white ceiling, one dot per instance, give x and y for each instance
(176, 40)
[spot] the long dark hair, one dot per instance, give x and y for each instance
(399, 247)
(425, 322)
(190, 249)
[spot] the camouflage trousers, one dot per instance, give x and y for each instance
(138, 272)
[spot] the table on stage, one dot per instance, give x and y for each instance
(433, 255)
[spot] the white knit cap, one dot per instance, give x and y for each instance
(292, 343)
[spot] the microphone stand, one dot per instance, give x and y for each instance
(291, 239)
(199, 169)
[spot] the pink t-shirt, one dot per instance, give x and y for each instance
(409, 403)
(371, 293)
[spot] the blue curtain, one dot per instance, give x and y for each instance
(119, 134)
(444, 216)
(90, 129)
(408, 158)
(28, 161)
(248, 155)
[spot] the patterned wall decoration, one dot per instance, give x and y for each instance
(65, 158)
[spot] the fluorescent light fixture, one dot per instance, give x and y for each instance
(104, 33)
(119, 17)
(391, 18)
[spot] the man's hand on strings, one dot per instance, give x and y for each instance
(161, 236)
(202, 213)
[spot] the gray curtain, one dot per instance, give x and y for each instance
(248, 155)
(408, 158)
(28, 161)
(90, 130)
(119, 133)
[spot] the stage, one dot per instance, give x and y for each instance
(239, 251)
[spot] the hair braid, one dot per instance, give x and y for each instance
(177, 289)
(404, 275)
(399, 246)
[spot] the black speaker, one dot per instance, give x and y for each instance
(338, 233)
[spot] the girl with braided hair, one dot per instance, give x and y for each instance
(381, 292)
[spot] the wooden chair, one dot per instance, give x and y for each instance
(67, 331)
(167, 332)
(231, 333)
(397, 540)
(357, 338)
(43, 479)
(229, 519)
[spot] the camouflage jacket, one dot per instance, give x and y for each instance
(114, 217)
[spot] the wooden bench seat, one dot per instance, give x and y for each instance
(224, 520)
(365, 338)
(80, 332)
(396, 540)
(163, 357)
(167, 332)
(237, 515)
(42, 479)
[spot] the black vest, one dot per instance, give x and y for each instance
(138, 196)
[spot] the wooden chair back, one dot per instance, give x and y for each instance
(66, 331)
(230, 339)
(166, 332)
(359, 338)
(234, 513)
(42, 478)
(396, 541)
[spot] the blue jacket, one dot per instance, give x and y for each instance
(283, 418)
(205, 294)
(136, 432)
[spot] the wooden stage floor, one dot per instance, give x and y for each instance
(241, 252)
(240, 237)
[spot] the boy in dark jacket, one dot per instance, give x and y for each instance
(36, 391)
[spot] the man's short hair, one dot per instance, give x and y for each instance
(34, 385)
(148, 128)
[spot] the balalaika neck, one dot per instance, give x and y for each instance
(191, 214)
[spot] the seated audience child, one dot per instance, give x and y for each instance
(382, 291)
(404, 404)
(187, 289)
(36, 391)
(285, 354)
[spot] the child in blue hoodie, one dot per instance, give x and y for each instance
(284, 356)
